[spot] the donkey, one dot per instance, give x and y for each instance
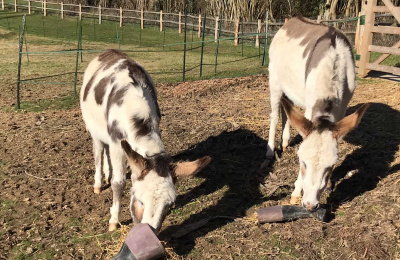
(313, 66)
(119, 107)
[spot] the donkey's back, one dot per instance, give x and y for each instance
(110, 79)
(310, 62)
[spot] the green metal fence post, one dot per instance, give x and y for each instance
(77, 59)
(216, 49)
(184, 49)
(21, 43)
(202, 44)
(76, 29)
(80, 42)
(242, 35)
(191, 43)
(264, 61)
(26, 48)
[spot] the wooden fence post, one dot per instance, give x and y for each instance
(99, 14)
(44, 8)
(216, 29)
(62, 10)
(286, 19)
(15, 6)
(258, 32)
(29, 7)
(319, 19)
(80, 12)
(2, 4)
(141, 19)
(120, 17)
(180, 23)
(237, 31)
(161, 21)
(199, 32)
(366, 39)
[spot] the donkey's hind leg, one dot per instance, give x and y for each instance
(285, 130)
(98, 148)
(106, 164)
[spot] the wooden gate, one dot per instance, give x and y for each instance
(365, 35)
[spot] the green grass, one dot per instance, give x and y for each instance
(145, 45)
(60, 103)
(7, 210)
(392, 60)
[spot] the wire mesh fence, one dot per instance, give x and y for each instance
(172, 47)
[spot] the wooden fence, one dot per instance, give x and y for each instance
(367, 27)
(230, 27)
(121, 15)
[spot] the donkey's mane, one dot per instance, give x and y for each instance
(323, 123)
(161, 163)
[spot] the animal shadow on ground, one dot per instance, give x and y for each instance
(236, 157)
(378, 138)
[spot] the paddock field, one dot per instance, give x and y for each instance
(48, 209)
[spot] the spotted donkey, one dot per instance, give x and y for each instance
(313, 66)
(119, 106)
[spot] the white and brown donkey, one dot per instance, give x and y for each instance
(313, 66)
(119, 106)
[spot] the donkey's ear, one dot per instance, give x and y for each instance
(302, 124)
(183, 169)
(344, 126)
(133, 156)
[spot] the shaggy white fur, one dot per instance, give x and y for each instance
(313, 66)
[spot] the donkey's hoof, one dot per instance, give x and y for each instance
(270, 155)
(112, 226)
(295, 200)
(97, 190)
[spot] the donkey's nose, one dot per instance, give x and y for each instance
(311, 207)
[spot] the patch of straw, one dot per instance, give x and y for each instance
(114, 248)
(252, 218)
(170, 253)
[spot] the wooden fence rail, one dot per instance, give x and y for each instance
(365, 33)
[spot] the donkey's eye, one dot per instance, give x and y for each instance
(304, 165)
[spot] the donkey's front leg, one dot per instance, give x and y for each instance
(298, 187)
(274, 118)
(118, 162)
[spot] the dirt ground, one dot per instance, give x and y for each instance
(49, 211)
